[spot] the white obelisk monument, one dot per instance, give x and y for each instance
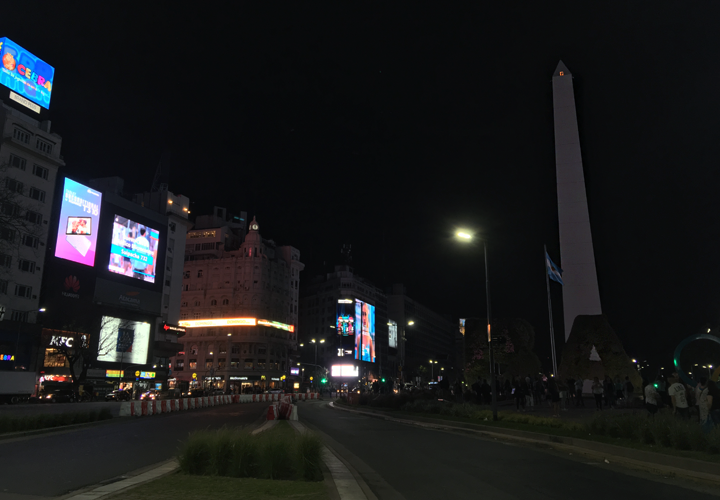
(577, 259)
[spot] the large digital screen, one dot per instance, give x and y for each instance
(364, 331)
(134, 249)
(77, 229)
(345, 323)
(392, 334)
(25, 74)
(344, 371)
(123, 341)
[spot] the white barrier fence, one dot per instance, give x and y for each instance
(153, 407)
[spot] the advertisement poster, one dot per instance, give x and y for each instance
(134, 249)
(365, 331)
(77, 229)
(25, 74)
(392, 334)
(345, 323)
(123, 340)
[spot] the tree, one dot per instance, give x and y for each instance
(21, 221)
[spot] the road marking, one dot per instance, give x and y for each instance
(116, 486)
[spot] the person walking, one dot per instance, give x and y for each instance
(651, 398)
(597, 390)
(529, 402)
(579, 401)
(554, 396)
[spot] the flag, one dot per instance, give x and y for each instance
(553, 271)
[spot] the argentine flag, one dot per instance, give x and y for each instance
(553, 271)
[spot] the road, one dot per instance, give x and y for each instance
(405, 461)
(54, 464)
(34, 409)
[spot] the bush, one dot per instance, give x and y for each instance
(236, 453)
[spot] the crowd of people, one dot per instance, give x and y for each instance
(701, 402)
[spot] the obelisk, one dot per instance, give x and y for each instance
(577, 259)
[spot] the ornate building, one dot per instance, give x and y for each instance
(239, 307)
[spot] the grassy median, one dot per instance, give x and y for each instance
(48, 420)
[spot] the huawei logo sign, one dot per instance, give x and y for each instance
(72, 283)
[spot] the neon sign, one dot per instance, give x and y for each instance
(275, 324)
(7, 357)
(197, 323)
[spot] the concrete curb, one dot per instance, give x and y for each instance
(646, 460)
(112, 488)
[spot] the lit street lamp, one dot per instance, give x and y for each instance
(432, 369)
(322, 341)
(467, 237)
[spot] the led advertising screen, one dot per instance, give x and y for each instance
(77, 229)
(392, 334)
(344, 371)
(123, 340)
(345, 323)
(25, 74)
(364, 331)
(134, 249)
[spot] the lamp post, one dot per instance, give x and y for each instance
(467, 237)
(432, 369)
(322, 341)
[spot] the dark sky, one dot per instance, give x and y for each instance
(389, 125)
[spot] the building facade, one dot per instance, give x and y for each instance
(29, 162)
(239, 307)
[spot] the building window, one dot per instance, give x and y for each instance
(17, 162)
(21, 135)
(23, 291)
(185, 288)
(261, 364)
(13, 185)
(7, 234)
(179, 365)
(30, 241)
(194, 350)
(27, 266)
(248, 364)
(199, 274)
(183, 315)
(44, 146)
(19, 316)
(222, 349)
(213, 302)
(235, 349)
(234, 362)
(186, 274)
(37, 194)
(5, 260)
(208, 363)
(197, 303)
(41, 172)
(196, 315)
(169, 263)
(225, 302)
(221, 363)
(192, 364)
(33, 217)
(3, 286)
(183, 304)
(54, 359)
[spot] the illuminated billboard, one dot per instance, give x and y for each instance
(123, 341)
(134, 249)
(77, 229)
(392, 334)
(197, 323)
(25, 74)
(344, 371)
(364, 331)
(294, 371)
(345, 322)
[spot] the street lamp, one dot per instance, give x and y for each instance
(432, 369)
(468, 237)
(322, 341)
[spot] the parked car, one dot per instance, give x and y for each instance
(151, 394)
(170, 394)
(118, 395)
(60, 396)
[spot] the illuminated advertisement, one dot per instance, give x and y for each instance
(344, 371)
(25, 74)
(275, 324)
(134, 249)
(77, 229)
(345, 323)
(364, 331)
(392, 334)
(197, 323)
(123, 341)
(294, 371)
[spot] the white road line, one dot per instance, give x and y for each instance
(111, 488)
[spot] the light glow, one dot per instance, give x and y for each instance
(198, 323)
(344, 371)
(463, 235)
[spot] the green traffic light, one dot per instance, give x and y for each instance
(383, 380)
(323, 380)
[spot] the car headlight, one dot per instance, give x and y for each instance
(48, 397)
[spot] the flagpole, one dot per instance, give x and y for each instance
(552, 330)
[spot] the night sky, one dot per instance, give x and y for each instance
(391, 125)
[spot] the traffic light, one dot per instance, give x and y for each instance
(382, 380)
(324, 380)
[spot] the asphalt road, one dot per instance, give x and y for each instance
(54, 464)
(405, 461)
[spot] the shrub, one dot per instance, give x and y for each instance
(275, 454)
(309, 450)
(197, 453)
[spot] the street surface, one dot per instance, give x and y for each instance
(36, 408)
(54, 464)
(405, 461)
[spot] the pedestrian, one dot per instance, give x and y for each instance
(651, 398)
(519, 395)
(704, 405)
(609, 392)
(554, 395)
(678, 398)
(714, 402)
(629, 392)
(597, 390)
(579, 401)
(529, 401)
